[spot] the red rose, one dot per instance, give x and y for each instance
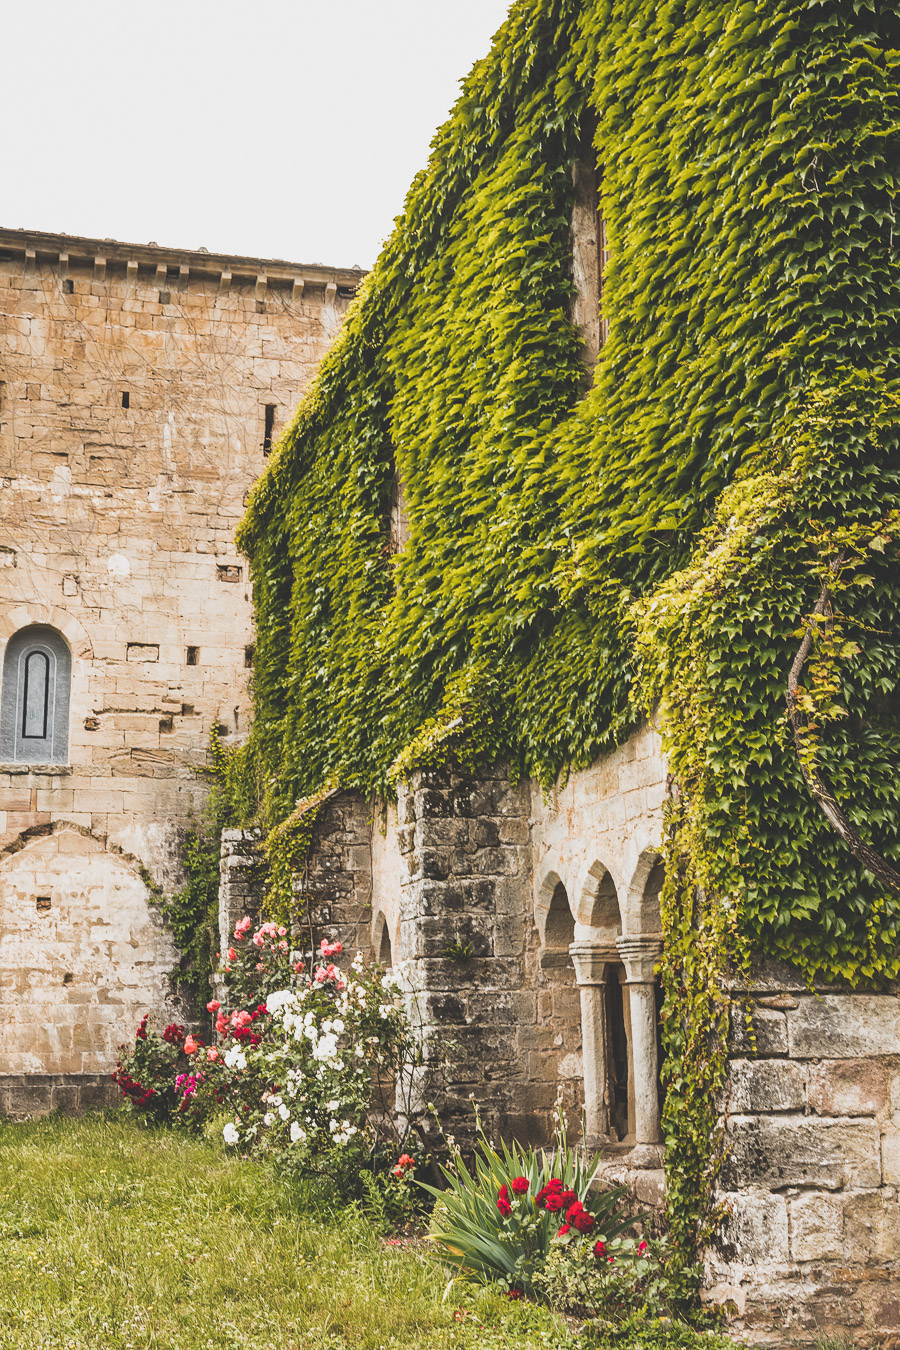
(503, 1204)
(599, 1247)
(569, 1198)
(554, 1202)
(519, 1185)
(583, 1222)
(642, 1249)
(561, 1232)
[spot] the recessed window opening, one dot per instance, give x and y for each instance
(269, 427)
(193, 656)
(34, 710)
(69, 286)
(43, 903)
(385, 956)
(35, 701)
(248, 657)
(559, 931)
(126, 399)
(617, 1052)
(165, 297)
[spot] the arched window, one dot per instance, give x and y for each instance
(34, 711)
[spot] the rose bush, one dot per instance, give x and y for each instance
(303, 1065)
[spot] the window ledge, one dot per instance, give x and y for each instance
(19, 766)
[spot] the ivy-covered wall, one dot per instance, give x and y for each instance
(574, 561)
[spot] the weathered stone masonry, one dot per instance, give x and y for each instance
(140, 389)
(526, 927)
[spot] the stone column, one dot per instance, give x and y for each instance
(590, 961)
(639, 955)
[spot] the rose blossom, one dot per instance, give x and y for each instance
(213, 1005)
(519, 1185)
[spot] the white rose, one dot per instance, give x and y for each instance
(268, 1118)
(298, 1134)
(230, 1134)
(338, 1026)
(235, 1058)
(284, 1112)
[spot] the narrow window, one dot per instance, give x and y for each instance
(385, 955)
(248, 658)
(589, 254)
(617, 1053)
(36, 695)
(34, 709)
(193, 656)
(126, 399)
(69, 286)
(269, 427)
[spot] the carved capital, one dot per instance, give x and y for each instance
(590, 960)
(639, 956)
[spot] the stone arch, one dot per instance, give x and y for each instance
(84, 953)
(382, 941)
(598, 901)
(546, 892)
(53, 616)
(642, 913)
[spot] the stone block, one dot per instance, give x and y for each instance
(844, 1026)
(848, 1088)
(817, 1227)
(755, 1230)
(783, 1151)
(871, 1227)
(766, 1036)
(766, 1086)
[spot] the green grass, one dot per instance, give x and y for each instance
(126, 1238)
(120, 1237)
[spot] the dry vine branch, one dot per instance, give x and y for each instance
(871, 860)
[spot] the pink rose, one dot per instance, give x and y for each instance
(190, 1046)
(212, 1054)
(321, 975)
(282, 932)
(213, 1005)
(232, 954)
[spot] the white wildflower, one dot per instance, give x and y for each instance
(230, 1134)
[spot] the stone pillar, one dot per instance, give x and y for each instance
(590, 961)
(639, 955)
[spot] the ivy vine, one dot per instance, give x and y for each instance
(656, 547)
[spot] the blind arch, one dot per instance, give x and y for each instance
(34, 706)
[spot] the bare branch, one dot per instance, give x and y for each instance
(836, 818)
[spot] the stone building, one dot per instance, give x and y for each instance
(141, 389)
(537, 556)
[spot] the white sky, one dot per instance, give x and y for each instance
(274, 128)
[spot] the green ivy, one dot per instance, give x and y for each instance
(578, 563)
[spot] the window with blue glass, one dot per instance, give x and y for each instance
(34, 711)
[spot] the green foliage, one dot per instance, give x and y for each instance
(643, 1332)
(492, 1228)
(193, 912)
(576, 563)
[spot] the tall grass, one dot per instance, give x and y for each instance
(118, 1237)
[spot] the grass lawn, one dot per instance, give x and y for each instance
(122, 1237)
(116, 1236)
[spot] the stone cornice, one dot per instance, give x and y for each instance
(31, 244)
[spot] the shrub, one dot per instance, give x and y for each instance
(147, 1072)
(297, 1072)
(609, 1277)
(498, 1222)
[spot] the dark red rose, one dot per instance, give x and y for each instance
(583, 1222)
(565, 1228)
(599, 1247)
(503, 1204)
(554, 1202)
(519, 1185)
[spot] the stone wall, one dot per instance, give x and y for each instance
(139, 391)
(812, 1242)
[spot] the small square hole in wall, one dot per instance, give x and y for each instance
(68, 977)
(187, 709)
(165, 297)
(69, 286)
(43, 903)
(166, 723)
(126, 399)
(248, 657)
(225, 572)
(260, 306)
(193, 656)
